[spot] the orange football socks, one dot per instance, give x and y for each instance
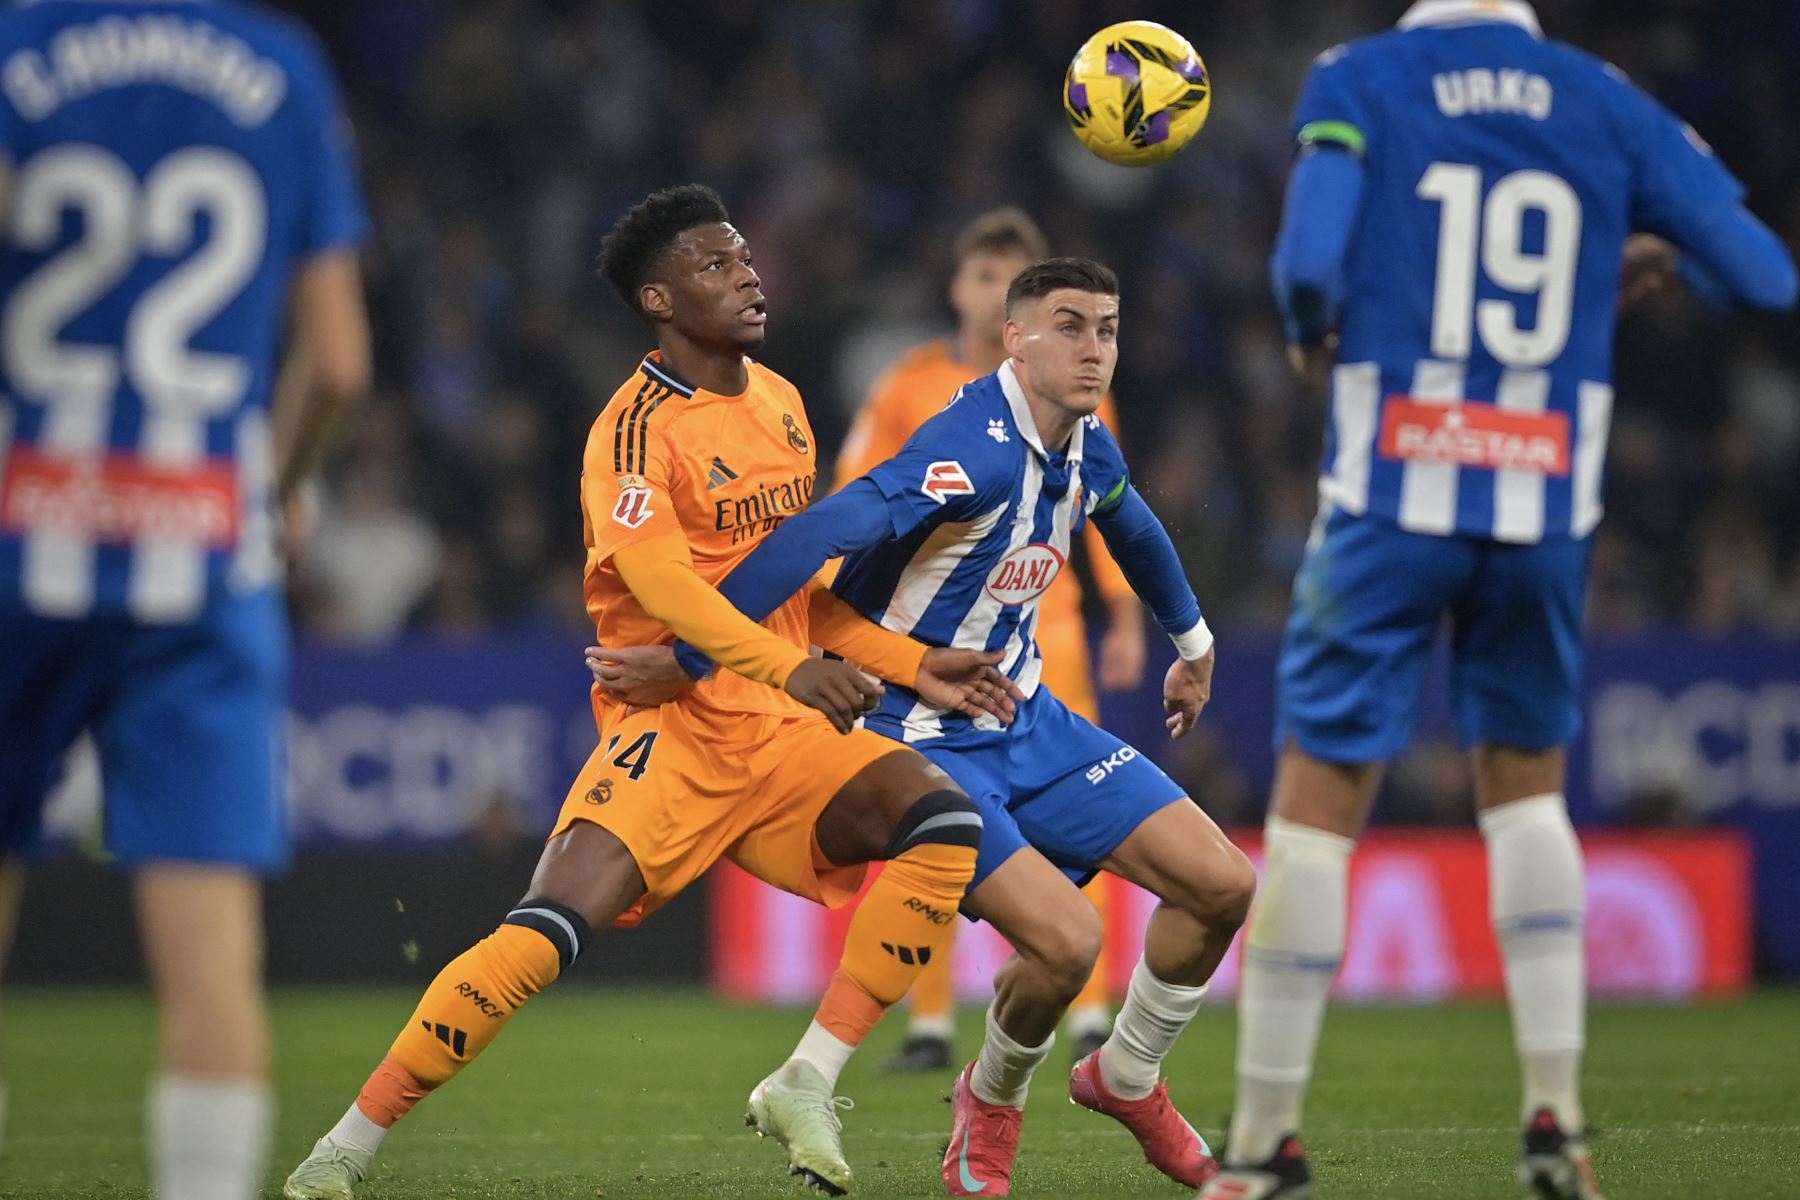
(470, 1002)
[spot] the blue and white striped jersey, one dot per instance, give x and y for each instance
(1502, 174)
(982, 519)
(171, 166)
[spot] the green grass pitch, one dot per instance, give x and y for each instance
(610, 1094)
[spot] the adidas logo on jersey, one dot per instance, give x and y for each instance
(719, 475)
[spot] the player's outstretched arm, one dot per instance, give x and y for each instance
(1731, 259)
(659, 571)
(965, 681)
(1680, 191)
(1143, 550)
(786, 561)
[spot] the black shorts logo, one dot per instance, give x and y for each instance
(600, 793)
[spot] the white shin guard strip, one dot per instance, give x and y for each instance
(1154, 1015)
(209, 1136)
(1538, 901)
(1292, 948)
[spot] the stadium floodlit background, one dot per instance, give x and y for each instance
(439, 695)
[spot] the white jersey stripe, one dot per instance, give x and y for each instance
(167, 579)
(59, 567)
(257, 563)
(1519, 495)
(972, 633)
(1428, 489)
(1062, 515)
(1355, 404)
(931, 568)
(1593, 420)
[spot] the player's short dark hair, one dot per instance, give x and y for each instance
(1054, 274)
(1002, 231)
(629, 252)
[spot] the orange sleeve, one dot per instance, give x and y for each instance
(880, 429)
(1108, 578)
(626, 488)
(839, 628)
(660, 573)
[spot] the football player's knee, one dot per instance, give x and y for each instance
(1220, 896)
(1068, 947)
(524, 965)
(943, 825)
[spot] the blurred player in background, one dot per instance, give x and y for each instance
(1450, 262)
(699, 455)
(179, 182)
(989, 253)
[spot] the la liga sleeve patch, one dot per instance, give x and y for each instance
(633, 506)
(946, 478)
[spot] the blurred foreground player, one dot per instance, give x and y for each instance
(179, 181)
(698, 456)
(989, 253)
(1450, 260)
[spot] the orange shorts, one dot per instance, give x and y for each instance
(684, 785)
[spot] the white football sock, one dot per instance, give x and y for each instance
(1538, 900)
(824, 1050)
(1152, 1018)
(1292, 948)
(1003, 1070)
(932, 1027)
(208, 1135)
(355, 1131)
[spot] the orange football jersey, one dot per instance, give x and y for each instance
(722, 472)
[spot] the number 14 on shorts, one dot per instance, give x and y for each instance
(635, 758)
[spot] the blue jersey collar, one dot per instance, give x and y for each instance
(1023, 420)
(1464, 12)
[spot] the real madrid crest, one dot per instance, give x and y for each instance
(796, 439)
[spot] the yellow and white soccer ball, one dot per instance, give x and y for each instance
(1136, 93)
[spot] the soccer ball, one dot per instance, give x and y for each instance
(1136, 93)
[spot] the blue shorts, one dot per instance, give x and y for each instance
(186, 718)
(1367, 602)
(1055, 782)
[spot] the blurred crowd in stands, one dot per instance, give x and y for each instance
(851, 138)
